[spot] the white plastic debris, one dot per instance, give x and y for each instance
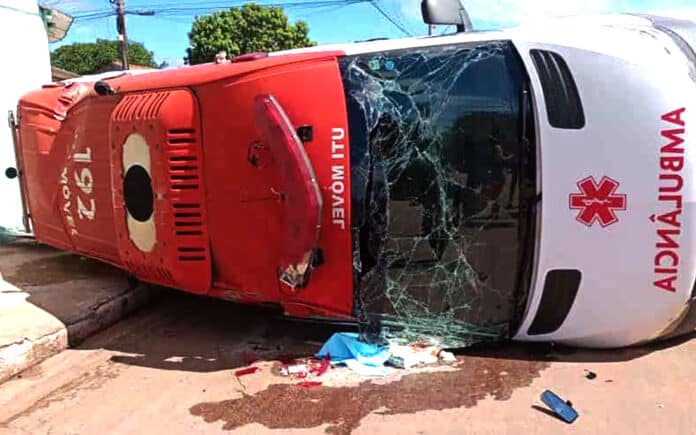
(447, 356)
(294, 369)
(409, 356)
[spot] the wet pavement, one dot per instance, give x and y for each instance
(170, 368)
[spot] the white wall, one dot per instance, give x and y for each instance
(24, 66)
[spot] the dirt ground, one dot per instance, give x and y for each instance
(171, 369)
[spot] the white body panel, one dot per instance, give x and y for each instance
(628, 75)
(26, 66)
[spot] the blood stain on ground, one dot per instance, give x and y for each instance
(283, 406)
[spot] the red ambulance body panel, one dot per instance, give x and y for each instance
(170, 176)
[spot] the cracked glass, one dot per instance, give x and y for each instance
(438, 157)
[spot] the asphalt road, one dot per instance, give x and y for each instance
(170, 369)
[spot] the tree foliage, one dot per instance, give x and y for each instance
(251, 28)
(91, 57)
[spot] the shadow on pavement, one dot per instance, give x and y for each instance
(30, 265)
(556, 353)
(200, 334)
(546, 411)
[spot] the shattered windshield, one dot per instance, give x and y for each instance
(438, 154)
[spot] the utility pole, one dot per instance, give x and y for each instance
(122, 35)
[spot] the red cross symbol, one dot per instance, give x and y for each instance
(597, 202)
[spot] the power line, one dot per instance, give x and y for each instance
(213, 4)
(395, 10)
(205, 7)
(188, 10)
(390, 18)
(21, 11)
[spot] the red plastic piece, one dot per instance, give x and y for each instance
(247, 371)
(309, 384)
(322, 367)
(221, 229)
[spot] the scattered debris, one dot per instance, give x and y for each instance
(369, 359)
(345, 348)
(563, 409)
(322, 368)
(364, 358)
(397, 361)
(447, 356)
(590, 375)
(295, 369)
(309, 384)
(246, 371)
(412, 355)
(304, 369)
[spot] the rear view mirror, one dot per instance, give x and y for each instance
(448, 12)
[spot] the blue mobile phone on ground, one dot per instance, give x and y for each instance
(562, 408)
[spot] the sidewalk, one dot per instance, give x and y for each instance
(50, 300)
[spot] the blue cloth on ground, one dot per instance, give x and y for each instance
(364, 358)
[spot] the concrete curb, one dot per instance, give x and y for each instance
(47, 336)
(110, 312)
(25, 353)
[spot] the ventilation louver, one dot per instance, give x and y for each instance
(563, 105)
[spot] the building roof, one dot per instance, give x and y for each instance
(116, 66)
(59, 74)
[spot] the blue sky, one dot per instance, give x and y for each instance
(167, 35)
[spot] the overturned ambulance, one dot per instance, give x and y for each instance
(534, 183)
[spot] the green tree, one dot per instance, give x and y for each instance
(251, 28)
(90, 57)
